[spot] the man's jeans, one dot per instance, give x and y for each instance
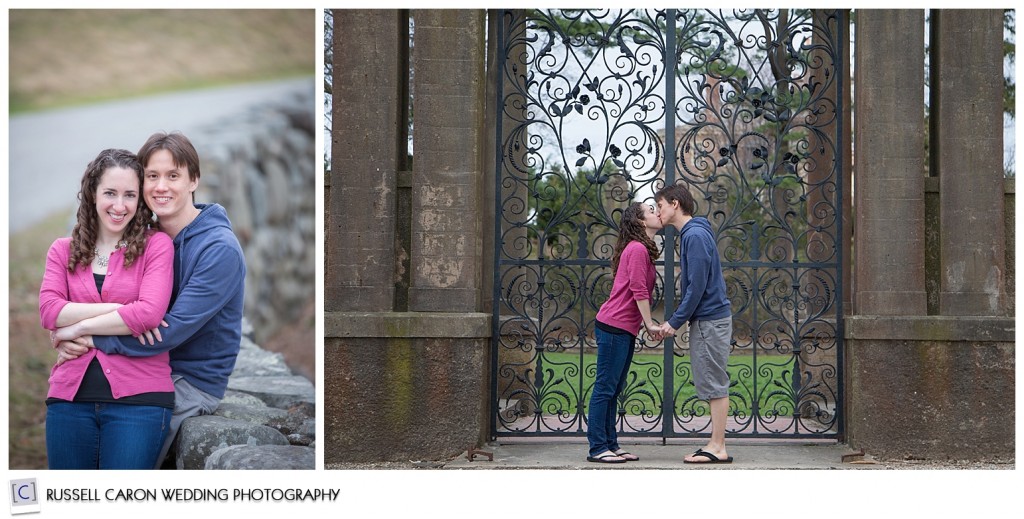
(614, 354)
(100, 435)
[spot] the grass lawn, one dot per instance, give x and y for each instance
(645, 386)
(75, 56)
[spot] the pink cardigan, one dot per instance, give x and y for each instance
(634, 281)
(145, 291)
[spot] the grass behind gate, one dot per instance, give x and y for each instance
(645, 384)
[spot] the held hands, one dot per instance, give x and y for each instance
(660, 331)
(152, 336)
(666, 330)
(654, 331)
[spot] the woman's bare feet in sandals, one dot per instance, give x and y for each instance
(626, 455)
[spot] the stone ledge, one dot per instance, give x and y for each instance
(930, 328)
(932, 185)
(407, 324)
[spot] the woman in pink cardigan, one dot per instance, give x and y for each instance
(620, 319)
(112, 276)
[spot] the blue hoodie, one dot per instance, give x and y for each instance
(205, 319)
(701, 282)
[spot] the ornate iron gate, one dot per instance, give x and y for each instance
(753, 130)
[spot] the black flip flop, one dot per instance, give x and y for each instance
(603, 458)
(711, 458)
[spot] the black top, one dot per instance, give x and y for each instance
(612, 329)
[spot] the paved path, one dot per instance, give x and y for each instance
(49, 150)
(746, 455)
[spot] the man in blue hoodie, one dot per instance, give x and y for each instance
(704, 305)
(203, 328)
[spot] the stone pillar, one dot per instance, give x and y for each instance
(448, 105)
(366, 152)
(930, 386)
(890, 163)
(969, 148)
(406, 385)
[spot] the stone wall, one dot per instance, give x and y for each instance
(267, 419)
(260, 166)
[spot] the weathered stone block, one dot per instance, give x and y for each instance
(200, 436)
(931, 388)
(396, 399)
(257, 362)
(262, 457)
(241, 399)
(254, 415)
(280, 392)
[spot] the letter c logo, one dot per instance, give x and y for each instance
(19, 492)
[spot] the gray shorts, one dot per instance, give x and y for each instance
(709, 357)
(188, 401)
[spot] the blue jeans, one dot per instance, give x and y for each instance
(614, 354)
(99, 435)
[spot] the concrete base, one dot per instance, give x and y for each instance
(931, 387)
(406, 396)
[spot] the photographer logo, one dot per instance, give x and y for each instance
(24, 498)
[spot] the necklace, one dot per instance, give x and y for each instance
(103, 261)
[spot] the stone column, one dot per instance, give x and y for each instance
(448, 105)
(890, 163)
(366, 151)
(916, 383)
(969, 148)
(399, 384)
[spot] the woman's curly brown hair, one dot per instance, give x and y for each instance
(631, 228)
(83, 237)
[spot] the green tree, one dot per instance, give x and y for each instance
(572, 212)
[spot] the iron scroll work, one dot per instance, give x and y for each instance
(753, 131)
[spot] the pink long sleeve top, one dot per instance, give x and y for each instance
(634, 281)
(145, 291)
